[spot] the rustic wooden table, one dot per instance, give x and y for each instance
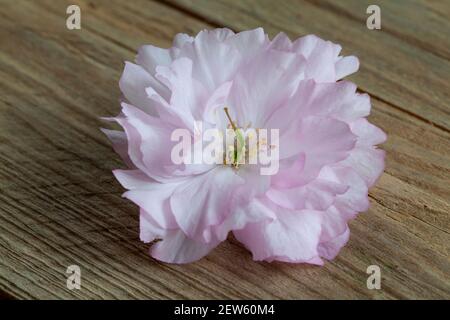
(60, 205)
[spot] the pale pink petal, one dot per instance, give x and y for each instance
(120, 145)
(204, 201)
(323, 141)
(134, 141)
(216, 102)
(336, 100)
(181, 39)
(324, 62)
(306, 44)
(214, 62)
(150, 57)
(368, 134)
(254, 96)
(293, 236)
(253, 185)
(287, 176)
(346, 66)
(222, 34)
(133, 83)
(248, 43)
(155, 200)
(132, 179)
(316, 195)
(321, 56)
(331, 248)
(149, 229)
(188, 94)
(177, 248)
(177, 117)
(333, 224)
(320, 66)
(368, 162)
(152, 138)
(355, 198)
(281, 42)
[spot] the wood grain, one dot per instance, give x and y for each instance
(60, 205)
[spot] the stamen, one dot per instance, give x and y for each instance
(229, 119)
(239, 144)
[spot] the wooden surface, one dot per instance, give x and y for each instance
(60, 205)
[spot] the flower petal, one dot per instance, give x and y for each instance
(209, 196)
(134, 81)
(214, 62)
(188, 94)
(331, 248)
(346, 66)
(368, 134)
(323, 141)
(150, 57)
(154, 199)
(336, 100)
(316, 195)
(368, 162)
(120, 145)
(263, 85)
(293, 236)
(176, 247)
(132, 179)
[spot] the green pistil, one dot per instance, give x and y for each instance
(240, 142)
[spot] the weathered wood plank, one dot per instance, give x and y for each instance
(408, 74)
(421, 23)
(60, 205)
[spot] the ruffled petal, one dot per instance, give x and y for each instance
(368, 134)
(336, 100)
(120, 145)
(181, 39)
(150, 57)
(323, 141)
(287, 176)
(368, 162)
(187, 93)
(149, 140)
(209, 196)
(346, 66)
(255, 95)
(316, 195)
(248, 43)
(214, 62)
(132, 179)
(149, 230)
(134, 81)
(324, 62)
(281, 42)
(154, 199)
(330, 249)
(150, 147)
(176, 247)
(292, 237)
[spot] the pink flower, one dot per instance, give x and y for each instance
(327, 153)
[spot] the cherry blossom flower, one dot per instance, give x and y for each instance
(327, 150)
